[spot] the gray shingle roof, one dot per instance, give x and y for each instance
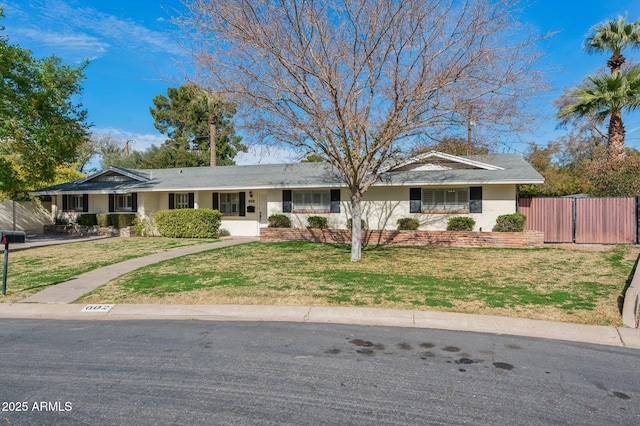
(299, 175)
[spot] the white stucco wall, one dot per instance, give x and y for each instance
(98, 203)
(382, 207)
(26, 215)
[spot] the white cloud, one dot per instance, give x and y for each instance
(262, 154)
(79, 45)
(82, 31)
(137, 141)
(257, 154)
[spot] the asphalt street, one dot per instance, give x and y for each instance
(243, 373)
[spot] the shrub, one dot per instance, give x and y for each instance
(117, 220)
(60, 219)
(122, 220)
(188, 223)
(461, 223)
(87, 220)
(145, 226)
(510, 223)
(408, 224)
(279, 221)
(103, 220)
(363, 224)
(318, 222)
(224, 233)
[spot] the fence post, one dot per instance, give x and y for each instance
(637, 220)
(573, 220)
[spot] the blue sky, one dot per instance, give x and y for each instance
(134, 55)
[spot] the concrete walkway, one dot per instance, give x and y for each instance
(56, 303)
(70, 290)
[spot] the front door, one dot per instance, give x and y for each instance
(263, 219)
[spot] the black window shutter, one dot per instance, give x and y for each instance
(65, 203)
(242, 207)
(216, 201)
(134, 202)
(172, 201)
(415, 200)
(335, 201)
(85, 202)
(112, 202)
(192, 200)
(475, 199)
(286, 201)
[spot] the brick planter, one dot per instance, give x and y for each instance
(526, 239)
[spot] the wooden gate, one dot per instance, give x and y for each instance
(583, 220)
(553, 216)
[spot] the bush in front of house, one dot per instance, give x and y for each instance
(318, 222)
(145, 226)
(461, 223)
(122, 220)
(103, 220)
(363, 224)
(408, 224)
(279, 221)
(87, 219)
(510, 223)
(188, 223)
(118, 221)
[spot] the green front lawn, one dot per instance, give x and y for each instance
(34, 269)
(570, 283)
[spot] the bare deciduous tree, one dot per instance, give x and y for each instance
(359, 80)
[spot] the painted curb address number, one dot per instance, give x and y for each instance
(97, 308)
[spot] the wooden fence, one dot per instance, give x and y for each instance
(584, 220)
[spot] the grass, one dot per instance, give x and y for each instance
(571, 283)
(35, 269)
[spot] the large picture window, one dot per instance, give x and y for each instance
(182, 200)
(447, 199)
(312, 200)
(230, 203)
(124, 202)
(76, 203)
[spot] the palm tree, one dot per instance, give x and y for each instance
(605, 96)
(613, 36)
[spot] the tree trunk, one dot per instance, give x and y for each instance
(615, 146)
(615, 62)
(356, 226)
(212, 139)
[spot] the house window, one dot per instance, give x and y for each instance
(447, 199)
(182, 200)
(230, 203)
(76, 203)
(312, 201)
(124, 202)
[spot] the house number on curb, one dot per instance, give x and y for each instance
(97, 308)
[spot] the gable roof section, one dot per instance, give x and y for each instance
(504, 169)
(443, 161)
(472, 170)
(118, 174)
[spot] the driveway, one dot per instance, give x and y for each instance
(39, 239)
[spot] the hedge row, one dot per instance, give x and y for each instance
(107, 219)
(188, 223)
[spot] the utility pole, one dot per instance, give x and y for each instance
(470, 124)
(212, 138)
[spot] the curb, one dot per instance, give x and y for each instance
(601, 335)
(631, 306)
